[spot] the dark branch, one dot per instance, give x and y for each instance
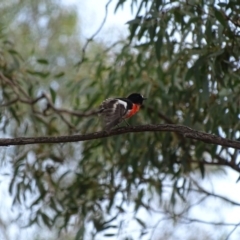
(183, 130)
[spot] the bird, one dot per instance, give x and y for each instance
(116, 110)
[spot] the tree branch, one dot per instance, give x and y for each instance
(191, 220)
(183, 130)
(94, 35)
(202, 190)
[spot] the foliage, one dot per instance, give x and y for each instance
(182, 55)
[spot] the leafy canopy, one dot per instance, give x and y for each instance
(182, 55)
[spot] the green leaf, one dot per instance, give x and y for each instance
(80, 233)
(133, 28)
(201, 168)
(141, 32)
(53, 94)
(16, 56)
(46, 219)
(134, 21)
(222, 4)
(238, 179)
(36, 201)
(109, 234)
(120, 2)
(42, 61)
(14, 114)
(220, 17)
(62, 176)
(158, 45)
(59, 75)
(143, 224)
(209, 32)
(189, 74)
(39, 74)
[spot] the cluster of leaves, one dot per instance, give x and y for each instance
(184, 57)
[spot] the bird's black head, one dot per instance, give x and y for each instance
(136, 98)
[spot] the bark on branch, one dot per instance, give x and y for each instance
(183, 130)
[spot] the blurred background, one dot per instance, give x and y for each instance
(60, 59)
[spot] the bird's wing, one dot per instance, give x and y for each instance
(113, 111)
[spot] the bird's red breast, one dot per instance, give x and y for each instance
(134, 110)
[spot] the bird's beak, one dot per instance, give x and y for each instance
(144, 98)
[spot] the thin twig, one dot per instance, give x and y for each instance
(10, 102)
(51, 105)
(77, 113)
(232, 231)
(202, 190)
(94, 35)
(191, 220)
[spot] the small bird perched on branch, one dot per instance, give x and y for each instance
(115, 110)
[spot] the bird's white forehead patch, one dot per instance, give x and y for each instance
(123, 103)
